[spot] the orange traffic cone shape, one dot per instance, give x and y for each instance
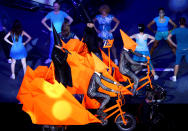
(127, 41)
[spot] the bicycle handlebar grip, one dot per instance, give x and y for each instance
(148, 58)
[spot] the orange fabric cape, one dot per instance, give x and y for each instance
(43, 98)
(51, 103)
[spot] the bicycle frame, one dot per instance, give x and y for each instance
(147, 77)
(118, 105)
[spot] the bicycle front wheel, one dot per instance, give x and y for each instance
(131, 122)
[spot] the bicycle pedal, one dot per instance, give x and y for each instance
(104, 122)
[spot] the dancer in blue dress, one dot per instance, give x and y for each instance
(104, 29)
(142, 47)
(18, 51)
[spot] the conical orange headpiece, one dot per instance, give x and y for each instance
(127, 41)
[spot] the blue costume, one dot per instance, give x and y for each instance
(18, 50)
(162, 28)
(142, 48)
(57, 20)
(182, 43)
(105, 26)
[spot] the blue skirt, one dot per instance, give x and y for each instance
(18, 51)
(142, 59)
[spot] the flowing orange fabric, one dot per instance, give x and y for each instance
(51, 104)
(82, 68)
(75, 45)
(99, 65)
(127, 41)
(94, 104)
(106, 60)
(118, 76)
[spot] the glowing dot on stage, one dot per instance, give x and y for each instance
(61, 110)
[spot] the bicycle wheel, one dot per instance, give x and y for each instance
(131, 122)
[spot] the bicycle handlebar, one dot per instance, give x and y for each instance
(148, 58)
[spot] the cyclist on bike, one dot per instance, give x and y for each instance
(128, 66)
(95, 83)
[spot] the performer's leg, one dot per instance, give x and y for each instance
(179, 56)
(176, 69)
(153, 71)
(104, 98)
(13, 68)
(114, 54)
(24, 64)
(171, 46)
(155, 44)
(51, 44)
(133, 77)
(135, 80)
(136, 68)
(51, 48)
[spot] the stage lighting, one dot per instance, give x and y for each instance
(178, 5)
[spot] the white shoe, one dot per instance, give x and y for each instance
(173, 78)
(13, 76)
(156, 77)
(48, 61)
(9, 61)
(116, 61)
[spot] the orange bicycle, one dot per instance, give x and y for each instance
(146, 78)
(123, 120)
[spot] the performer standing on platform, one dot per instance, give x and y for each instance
(162, 30)
(57, 18)
(18, 50)
(181, 34)
(104, 31)
(142, 47)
